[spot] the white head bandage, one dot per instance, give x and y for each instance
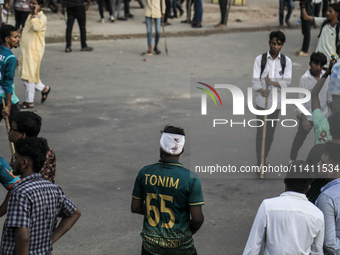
(172, 143)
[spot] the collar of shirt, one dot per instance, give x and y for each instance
(169, 162)
(294, 194)
(36, 176)
(330, 184)
(270, 56)
(5, 48)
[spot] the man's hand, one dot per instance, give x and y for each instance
(306, 125)
(302, 4)
(88, 5)
(7, 6)
(265, 93)
(6, 112)
(62, 11)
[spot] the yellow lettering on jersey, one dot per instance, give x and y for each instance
(146, 178)
(155, 177)
(161, 181)
(172, 184)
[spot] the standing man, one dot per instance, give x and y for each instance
(32, 49)
(329, 199)
(10, 38)
(271, 70)
(35, 205)
(76, 10)
(305, 29)
(167, 195)
(288, 224)
(21, 11)
(198, 15)
(153, 12)
(308, 81)
(328, 42)
(223, 8)
(290, 7)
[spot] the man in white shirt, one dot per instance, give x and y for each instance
(328, 42)
(288, 224)
(276, 73)
(329, 199)
(308, 81)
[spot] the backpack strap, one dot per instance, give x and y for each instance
(323, 24)
(283, 63)
(263, 63)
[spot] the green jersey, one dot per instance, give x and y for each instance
(169, 190)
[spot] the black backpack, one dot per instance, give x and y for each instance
(264, 62)
(337, 29)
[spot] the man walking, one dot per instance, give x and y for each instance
(10, 39)
(272, 70)
(308, 81)
(290, 7)
(32, 49)
(34, 205)
(288, 224)
(172, 194)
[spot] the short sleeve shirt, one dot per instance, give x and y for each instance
(7, 178)
(326, 43)
(35, 204)
(169, 190)
(321, 124)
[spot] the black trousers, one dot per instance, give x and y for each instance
(270, 130)
(20, 18)
(298, 141)
(101, 7)
(167, 10)
(305, 27)
(223, 8)
(144, 252)
(76, 12)
(324, 7)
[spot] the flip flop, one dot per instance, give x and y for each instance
(86, 49)
(44, 95)
(25, 105)
(68, 50)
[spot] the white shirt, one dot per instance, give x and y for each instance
(286, 225)
(273, 67)
(326, 43)
(308, 82)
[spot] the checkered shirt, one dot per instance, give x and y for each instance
(35, 204)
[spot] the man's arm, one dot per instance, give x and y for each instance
(197, 218)
(304, 14)
(62, 11)
(22, 240)
(137, 206)
(317, 88)
(65, 225)
(257, 234)
(331, 242)
(317, 246)
(88, 5)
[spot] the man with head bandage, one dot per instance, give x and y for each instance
(170, 198)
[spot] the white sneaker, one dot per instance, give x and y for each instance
(112, 19)
(102, 20)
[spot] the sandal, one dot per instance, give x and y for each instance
(157, 51)
(87, 49)
(147, 53)
(44, 95)
(25, 105)
(68, 50)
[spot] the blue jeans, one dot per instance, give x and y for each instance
(198, 7)
(148, 22)
(290, 7)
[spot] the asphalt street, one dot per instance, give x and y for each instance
(103, 118)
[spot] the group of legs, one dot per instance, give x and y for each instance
(117, 6)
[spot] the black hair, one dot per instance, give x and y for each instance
(35, 149)
(336, 7)
(27, 122)
(173, 130)
(279, 35)
(318, 58)
(299, 177)
(6, 31)
(333, 151)
(40, 2)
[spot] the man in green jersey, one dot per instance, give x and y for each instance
(167, 194)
